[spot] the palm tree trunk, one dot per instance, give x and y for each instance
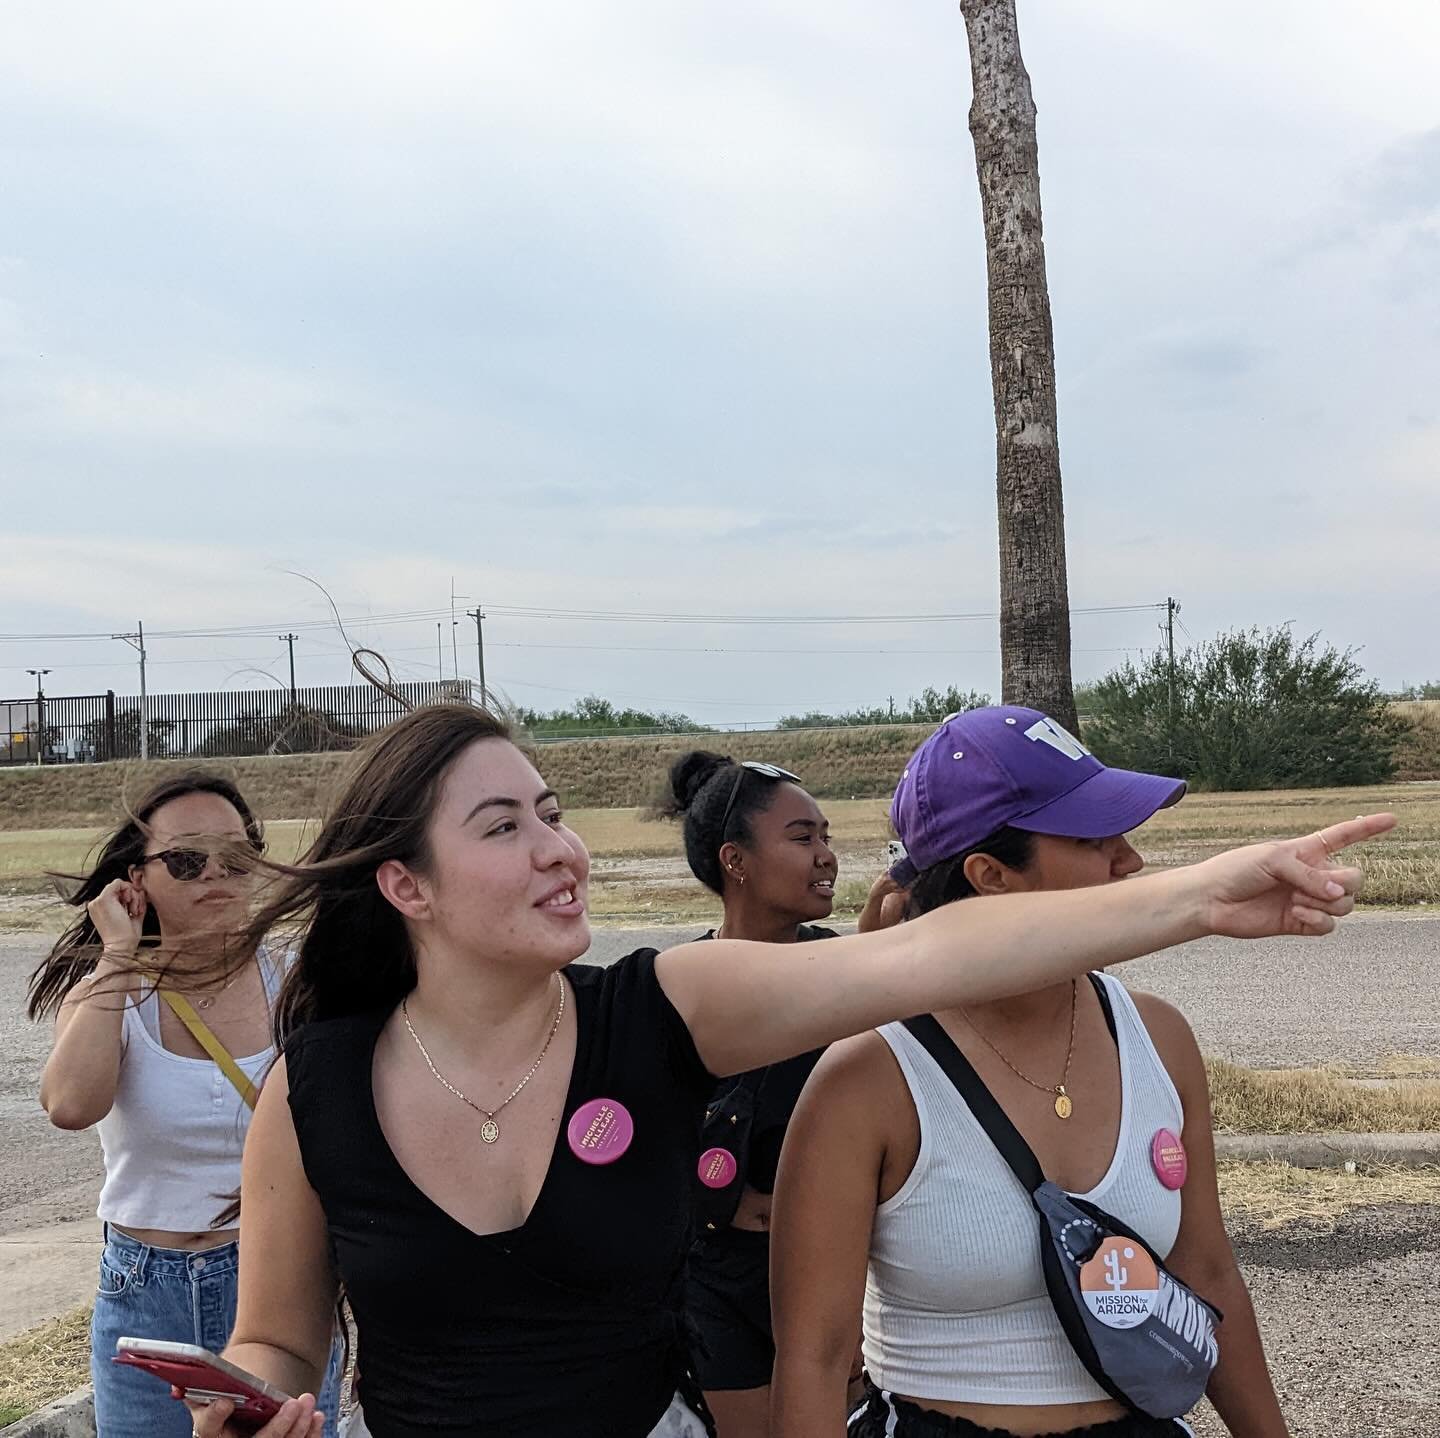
(1034, 597)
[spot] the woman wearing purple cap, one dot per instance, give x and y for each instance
(492, 1147)
(894, 1198)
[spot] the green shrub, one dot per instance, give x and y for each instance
(1250, 709)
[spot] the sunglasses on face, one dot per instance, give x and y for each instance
(766, 771)
(188, 864)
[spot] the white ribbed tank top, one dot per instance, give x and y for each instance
(173, 1136)
(955, 1301)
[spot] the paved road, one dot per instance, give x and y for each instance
(1369, 990)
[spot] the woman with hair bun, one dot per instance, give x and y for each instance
(755, 837)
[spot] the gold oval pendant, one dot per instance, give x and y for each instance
(1063, 1107)
(489, 1131)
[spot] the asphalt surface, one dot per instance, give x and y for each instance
(1353, 1340)
(1371, 989)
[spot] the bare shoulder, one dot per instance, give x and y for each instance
(1160, 1016)
(852, 1065)
(859, 1079)
(1174, 1041)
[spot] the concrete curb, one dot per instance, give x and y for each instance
(1331, 1150)
(70, 1417)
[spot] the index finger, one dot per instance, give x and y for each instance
(1355, 831)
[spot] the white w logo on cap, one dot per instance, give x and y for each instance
(1060, 739)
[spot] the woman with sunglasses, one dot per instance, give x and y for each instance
(894, 1200)
(492, 1146)
(158, 936)
(755, 837)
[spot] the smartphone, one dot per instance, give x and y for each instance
(203, 1377)
(894, 852)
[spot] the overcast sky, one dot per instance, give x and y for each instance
(679, 308)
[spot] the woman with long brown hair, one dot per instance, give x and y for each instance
(492, 1146)
(162, 1037)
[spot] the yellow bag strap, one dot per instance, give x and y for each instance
(183, 1010)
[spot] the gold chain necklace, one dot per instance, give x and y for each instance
(489, 1130)
(1064, 1105)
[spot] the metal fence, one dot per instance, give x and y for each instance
(225, 724)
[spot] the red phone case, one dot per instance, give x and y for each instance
(252, 1409)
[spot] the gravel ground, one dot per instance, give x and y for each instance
(1353, 1342)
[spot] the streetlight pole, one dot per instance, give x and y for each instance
(39, 713)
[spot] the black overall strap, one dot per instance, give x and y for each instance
(971, 1087)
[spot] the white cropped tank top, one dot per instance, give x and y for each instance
(955, 1301)
(173, 1136)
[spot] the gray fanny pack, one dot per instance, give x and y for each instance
(1145, 1338)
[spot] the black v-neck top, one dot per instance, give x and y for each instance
(570, 1324)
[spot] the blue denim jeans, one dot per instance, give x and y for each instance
(172, 1294)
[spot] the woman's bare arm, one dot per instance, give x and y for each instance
(1241, 1388)
(288, 1287)
(82, 1074)
(749, 1004)
(825, 1196)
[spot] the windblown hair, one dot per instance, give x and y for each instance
(352, 951)
(77, 950)
(944, 882)
(700, 788)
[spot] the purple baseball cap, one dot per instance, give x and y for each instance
(987, 768)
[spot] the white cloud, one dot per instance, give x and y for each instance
(658, 306)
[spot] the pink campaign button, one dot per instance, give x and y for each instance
(717, 1168)
(1167, 1156)
(600, 1130)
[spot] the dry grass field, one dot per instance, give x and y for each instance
(640, 875)
(858, 763)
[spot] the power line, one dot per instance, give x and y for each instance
(246, 631)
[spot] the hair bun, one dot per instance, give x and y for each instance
(690, 773)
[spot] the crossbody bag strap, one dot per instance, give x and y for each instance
(971, 1087)
(200, 1031)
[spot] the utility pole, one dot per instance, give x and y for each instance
(478, 615)
(137, 641)
(439, 652)
(1171, 610)
(39, 713)
(290, 640)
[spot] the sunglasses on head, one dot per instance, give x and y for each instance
(766, 771)
(188, 864)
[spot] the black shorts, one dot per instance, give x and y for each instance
(880, 1416)
(728, 1299)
